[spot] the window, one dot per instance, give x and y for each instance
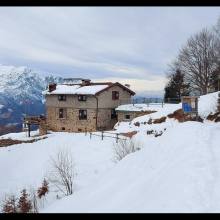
(113, 114)
(115, 95)
(62, 113)
(62, 97)
(81, 97)
(127, 117)
(82, 114)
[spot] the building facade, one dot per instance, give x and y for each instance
(84, 107)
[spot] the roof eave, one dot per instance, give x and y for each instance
(116, 84)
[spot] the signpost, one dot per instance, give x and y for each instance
(190, 105)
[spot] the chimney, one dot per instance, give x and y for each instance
(86, 82)
(127, 85)
(52, 87)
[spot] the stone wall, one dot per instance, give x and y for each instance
(71, 122)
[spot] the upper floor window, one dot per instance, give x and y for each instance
(115, 95)
(82, 114)
(113, 114)
(62, 97)
(81, 97)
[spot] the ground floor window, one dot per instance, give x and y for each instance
(82, 114)
(62, 113)
(127, 117)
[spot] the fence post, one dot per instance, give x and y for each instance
(86, 132)
(29, 130)
(116, 138)
(102, 135)
(90, 135)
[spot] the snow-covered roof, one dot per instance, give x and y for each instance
(139, 107)
(81, 89)
(77, 89)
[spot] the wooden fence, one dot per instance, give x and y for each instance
(104, 134)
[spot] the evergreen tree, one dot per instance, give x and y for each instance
(24, 204)
(9, 205)
(176, 87)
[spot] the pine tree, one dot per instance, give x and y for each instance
(176, 87)
(43, 189)
(9, 205)
(24, 204)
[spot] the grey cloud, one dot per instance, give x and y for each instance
(125, 42)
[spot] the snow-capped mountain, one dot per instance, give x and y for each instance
(20, 93)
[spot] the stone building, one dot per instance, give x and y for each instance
(84, 106)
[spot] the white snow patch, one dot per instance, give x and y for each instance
(140, 107)
(208, 104)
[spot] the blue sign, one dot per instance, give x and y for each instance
(187, 107)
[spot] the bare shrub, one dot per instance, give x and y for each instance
(9, 204)
(62, 173)
(124, 147)
(34, 201)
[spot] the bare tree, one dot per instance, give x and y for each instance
(124, 147)
(62, 173)
(198, 60)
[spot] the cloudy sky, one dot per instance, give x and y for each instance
(126, 44)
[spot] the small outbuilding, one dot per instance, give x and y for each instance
(130, 111)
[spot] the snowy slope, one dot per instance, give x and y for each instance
(208, 104)
(27, 164)
(167, 175)
(176, 172)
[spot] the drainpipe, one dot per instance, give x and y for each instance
(97, 106)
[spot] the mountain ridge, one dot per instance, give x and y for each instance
(21, 93)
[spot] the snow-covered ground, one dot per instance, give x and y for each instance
(208, 104)
(23, 136)
(176, 172)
